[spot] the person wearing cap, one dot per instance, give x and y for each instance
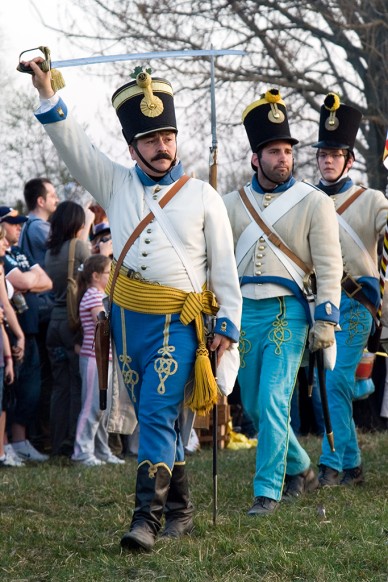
(275, 319)
(28, 280)
(362, 215)
(100, 238)
(157, 329)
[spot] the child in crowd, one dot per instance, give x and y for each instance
(91, 443)
(6, 376)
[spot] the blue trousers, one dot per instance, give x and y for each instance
(355, 322)
(272, 342)
(156, 355)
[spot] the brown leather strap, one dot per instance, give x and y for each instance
(353, 289)
(141, 226)
(70, 263)
(350, 200)
(272, 236)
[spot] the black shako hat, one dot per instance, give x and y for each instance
(266, 120)
(338, 124)
(144, 105)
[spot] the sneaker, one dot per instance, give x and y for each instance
(113, 460)
(89, 462)
(27, 452)
(327, 476)
(263, 506)
(297, 485)
(352, 477)
(11, 458)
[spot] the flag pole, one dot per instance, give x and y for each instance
(374, 339)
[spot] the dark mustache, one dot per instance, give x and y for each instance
(162, 156)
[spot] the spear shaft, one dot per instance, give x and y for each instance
(213, 355)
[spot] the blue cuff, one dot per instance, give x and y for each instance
(57, 113)
(225, 327)
(327, 312)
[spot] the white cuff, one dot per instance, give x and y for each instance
(47, 104)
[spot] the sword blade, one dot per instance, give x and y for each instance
(144, 56)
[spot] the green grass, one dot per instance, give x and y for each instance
(60, 522)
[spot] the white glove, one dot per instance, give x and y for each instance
(321, 335)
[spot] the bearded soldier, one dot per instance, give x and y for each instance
(160, 295)
(297, 232)
(362, 215)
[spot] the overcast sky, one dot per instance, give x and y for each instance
(21, 29)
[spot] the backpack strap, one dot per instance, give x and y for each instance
(70, 263)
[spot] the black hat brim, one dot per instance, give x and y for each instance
(290, 140)
(331, 145)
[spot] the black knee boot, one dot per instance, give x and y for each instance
(152, 485)
(179, 509)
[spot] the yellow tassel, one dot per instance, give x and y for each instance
(57, 80)
(205, 391)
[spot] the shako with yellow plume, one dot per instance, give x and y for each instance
(145, 105)
(338, 124)
(265, 120)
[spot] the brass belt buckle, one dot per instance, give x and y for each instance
(358, 287)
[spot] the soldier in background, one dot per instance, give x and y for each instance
(362, 215)
(275, 320)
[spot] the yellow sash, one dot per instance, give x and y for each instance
(144, 297)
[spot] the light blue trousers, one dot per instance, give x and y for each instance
(272, 342)
(156, 354)
(355, 322)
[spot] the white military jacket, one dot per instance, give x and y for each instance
(310, 230)
(196, 212)
(367, 216)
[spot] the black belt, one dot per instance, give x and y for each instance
(354, 291)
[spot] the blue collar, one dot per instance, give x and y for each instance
(169, 178)
(281, 188)
(337, 188)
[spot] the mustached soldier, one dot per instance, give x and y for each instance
(275, 320)
(362, 215)
(157, 328)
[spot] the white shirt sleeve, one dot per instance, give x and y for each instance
(47, 104)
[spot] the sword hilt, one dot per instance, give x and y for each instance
(44, 65)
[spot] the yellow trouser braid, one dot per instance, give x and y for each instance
(154, 299)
